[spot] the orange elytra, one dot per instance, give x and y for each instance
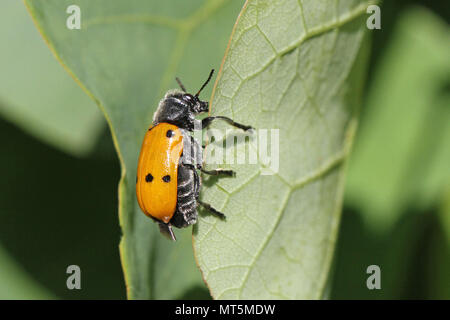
(157, 172)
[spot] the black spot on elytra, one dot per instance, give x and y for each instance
(170, 133)
(166, 178)
(149, 177)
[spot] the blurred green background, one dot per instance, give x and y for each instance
(58, 191)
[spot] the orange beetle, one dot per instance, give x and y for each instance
(159, 171)
(167, 182)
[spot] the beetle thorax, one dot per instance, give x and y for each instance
(179, 108)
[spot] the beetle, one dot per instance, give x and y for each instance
(167, 182)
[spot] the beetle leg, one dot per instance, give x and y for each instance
(189, 166)
(207, 121)
(219, 171)
(166, 230)
(208, 207)
(196, 185)
(192, 151)
(196, 179)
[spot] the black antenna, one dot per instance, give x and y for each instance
(180, 84)
(204, 85)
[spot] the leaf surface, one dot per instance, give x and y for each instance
(294, 66)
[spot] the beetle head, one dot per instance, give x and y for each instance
(180, 107)
(195, 104)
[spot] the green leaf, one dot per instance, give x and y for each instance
(16, 283)
(401, 155)
(36, 93)
(296, 66)
(125, 56)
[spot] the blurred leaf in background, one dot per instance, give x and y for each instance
(57, 199)
(36, 93)
(58, 210)
(402, 151)
(399, 173)
(15, 283)
(52, 214)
